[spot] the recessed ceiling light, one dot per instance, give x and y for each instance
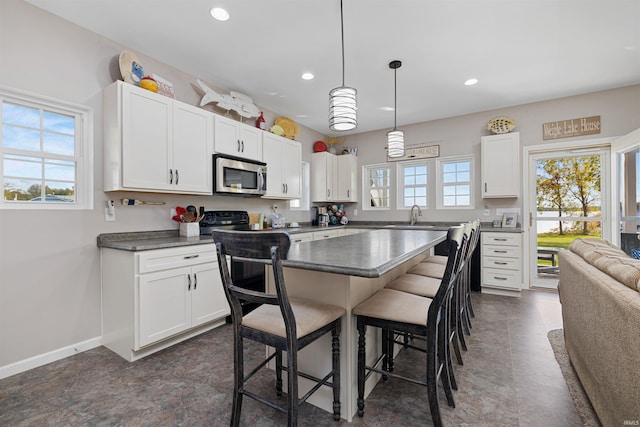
(220, 14)
(307, 76)
(386, 108)
(471, 82)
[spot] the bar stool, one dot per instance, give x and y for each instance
(396, 311)
(286, 324)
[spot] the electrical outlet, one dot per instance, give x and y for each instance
(173, 213)
(487, 212)
(110, 211)
(355, 212)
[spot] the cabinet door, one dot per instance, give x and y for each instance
(164, 305)
(250, 142)
(208, 300)
(146, 139)
(192, 149)
(501, 165)
(272, 156)
(323, 176)
(226, 138)
(292, 169)
(346, 187)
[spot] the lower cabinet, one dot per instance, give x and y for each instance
(154, 299)
(501, 263)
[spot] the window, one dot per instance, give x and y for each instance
(46, 152)
(377, 186)
(412, 183)
(455, 189)
(302, 204)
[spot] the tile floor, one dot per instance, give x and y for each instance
(510, 378)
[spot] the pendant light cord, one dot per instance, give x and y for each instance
(342, 36)
(395, 96)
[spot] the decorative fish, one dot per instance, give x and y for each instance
(238, 102)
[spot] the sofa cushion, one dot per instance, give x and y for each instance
(593, 249)
(624, 269)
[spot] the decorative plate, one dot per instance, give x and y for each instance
(501, 124)
(290, 127)
(319, 146)
(130, 68)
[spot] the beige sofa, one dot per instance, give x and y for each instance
(601, 314)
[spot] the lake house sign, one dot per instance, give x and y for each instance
(574, 127)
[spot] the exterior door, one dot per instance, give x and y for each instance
(568, 199)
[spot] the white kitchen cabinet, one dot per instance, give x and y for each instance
(334, 178)
(154, 299)
(301, 237)
(501, 165)
(237, 139)
(347, 185)
(501, 263)
(284, 167)
(324, 176)
(327, 234)
(154, 143)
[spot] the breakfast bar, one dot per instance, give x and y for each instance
(346, 271)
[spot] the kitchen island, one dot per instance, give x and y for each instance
(345, 271)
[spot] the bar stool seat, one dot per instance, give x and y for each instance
(310, 316)
(428, 269)
(416, 284)
(436, 259)
(396, 306)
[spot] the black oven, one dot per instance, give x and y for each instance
(246, 274)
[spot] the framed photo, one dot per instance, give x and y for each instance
(509, 220)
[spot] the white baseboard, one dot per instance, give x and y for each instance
(52, 356)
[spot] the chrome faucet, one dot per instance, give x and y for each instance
(414, 216)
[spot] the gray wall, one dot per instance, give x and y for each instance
(49, 262)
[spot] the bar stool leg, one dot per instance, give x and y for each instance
(362, 328)
(335, 353)
(239, 380)
(279, 373)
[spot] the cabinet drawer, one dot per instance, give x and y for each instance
(509, 279)
(318, 235)
(501, 251)
(163, 259)
(301, 237)
(507, 239)
(501, 263)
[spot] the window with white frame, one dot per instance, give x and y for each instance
(413, 184)
(455, 185)
(376, 182)
(302, 204)
(46, 151)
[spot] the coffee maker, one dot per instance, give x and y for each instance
(314, 215)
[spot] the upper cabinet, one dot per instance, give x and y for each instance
(284, 166)
(324, 176)
(347, 186)
(237, 139)
(501, 165)
(154, 143)
(334, 178)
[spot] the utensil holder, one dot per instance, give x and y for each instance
(189, 229)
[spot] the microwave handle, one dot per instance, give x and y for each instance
(260, 180)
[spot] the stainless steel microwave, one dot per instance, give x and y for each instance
(237, 176)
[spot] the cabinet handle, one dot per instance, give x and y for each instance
(348, 194)
(177, 177)
(500, 263)
(170, 176)
(499, 239)
(499, 278)
(500, 252)
(485, 187)
(195, 281)
(191, 256)
(328, 193)
(189, 280)
(238, 146)
(286, 188)
(283, 189)
(243, 146)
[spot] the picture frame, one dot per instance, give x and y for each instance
(509, 220)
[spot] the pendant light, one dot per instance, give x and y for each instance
(395, 138)
(342, 100)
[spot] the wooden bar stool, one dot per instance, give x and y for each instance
(286, 324)
(395, 311)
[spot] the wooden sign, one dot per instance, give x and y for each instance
(422, 152)
(574, 127)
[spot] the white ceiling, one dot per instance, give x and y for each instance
(520, 50)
